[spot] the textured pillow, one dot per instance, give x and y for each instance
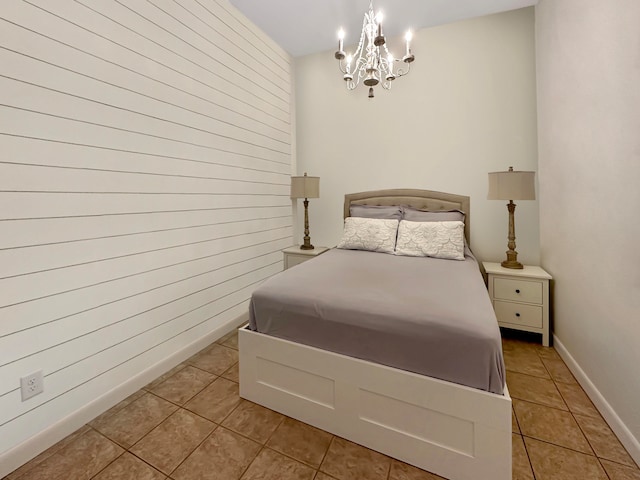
(415, 215)
(372, 234)
(431, 239)
(376, 211)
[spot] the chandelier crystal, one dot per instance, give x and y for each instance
(372, 63)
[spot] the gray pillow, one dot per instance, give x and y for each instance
(389, 212)
(414, 215)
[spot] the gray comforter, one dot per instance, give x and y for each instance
(424, 315)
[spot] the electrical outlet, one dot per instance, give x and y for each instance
(31, 385)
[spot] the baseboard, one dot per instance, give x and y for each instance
(22, 453)
(625, 436)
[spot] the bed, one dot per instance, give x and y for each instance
(388, 396)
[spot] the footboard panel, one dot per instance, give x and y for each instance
(458, 432)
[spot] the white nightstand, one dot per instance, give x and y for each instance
(294, 255)
(520, 298)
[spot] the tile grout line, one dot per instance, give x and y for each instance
(561, 446)
(573, 415)
(179, 407)
(262, 447)
(544, 365)
(333, 437)
(324, 455)
(540, 405)
(594, 450)
(192, 396)
(144, 390)
(146, 463)
(556, 382)
(195, 448)
(144, 436)
(554, 386)
(290, 456)
(526, 450)
(182, 407)
(124, 450)
(152, 429)
(390, 465)
(604, 469)
(53, 452)
(219, 425)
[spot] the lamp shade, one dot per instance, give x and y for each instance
(305, 187)
(512, 185)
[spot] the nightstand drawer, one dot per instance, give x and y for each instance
(517, 290)
(518, 314)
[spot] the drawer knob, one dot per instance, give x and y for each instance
(517, 314)
(517, 290)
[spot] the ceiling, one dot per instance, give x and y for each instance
(302, 27)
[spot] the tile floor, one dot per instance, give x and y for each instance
(190, 424)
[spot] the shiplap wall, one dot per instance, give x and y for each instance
(145, 155)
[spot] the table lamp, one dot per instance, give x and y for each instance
(511, 185)
(305, 187)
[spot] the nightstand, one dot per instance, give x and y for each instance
(294, 255)
(520, 298)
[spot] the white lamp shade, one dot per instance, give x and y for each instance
(512, 185)
(305, 187)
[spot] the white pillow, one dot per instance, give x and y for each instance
(372, 234)
(431, 239)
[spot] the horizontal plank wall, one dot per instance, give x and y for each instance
(144, 171)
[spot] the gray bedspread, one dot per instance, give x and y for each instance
(424, 315)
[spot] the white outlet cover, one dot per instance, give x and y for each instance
(31, 385)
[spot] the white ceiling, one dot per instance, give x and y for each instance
(309, 26)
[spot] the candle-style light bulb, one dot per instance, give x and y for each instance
(379, 17)
(349, 58)
(408, 38)
(390, 63)
(340, 40)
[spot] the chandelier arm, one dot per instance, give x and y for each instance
(384, 64)
(400, 72)
(361, 68)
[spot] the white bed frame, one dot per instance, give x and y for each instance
(458, 432)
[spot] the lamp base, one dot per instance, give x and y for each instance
(512, 260)
(512, 255)
(306, 244)
(512, 264)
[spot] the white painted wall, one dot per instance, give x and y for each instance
(144, 191)
(468, 107)
(588, 63)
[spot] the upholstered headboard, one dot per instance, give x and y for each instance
(422, 199)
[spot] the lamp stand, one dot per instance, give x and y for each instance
(512, 255)
(307, 240)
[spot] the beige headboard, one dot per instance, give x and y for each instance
(422, 199)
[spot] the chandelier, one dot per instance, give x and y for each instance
(373, 63)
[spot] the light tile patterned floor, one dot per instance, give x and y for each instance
(191, 424)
